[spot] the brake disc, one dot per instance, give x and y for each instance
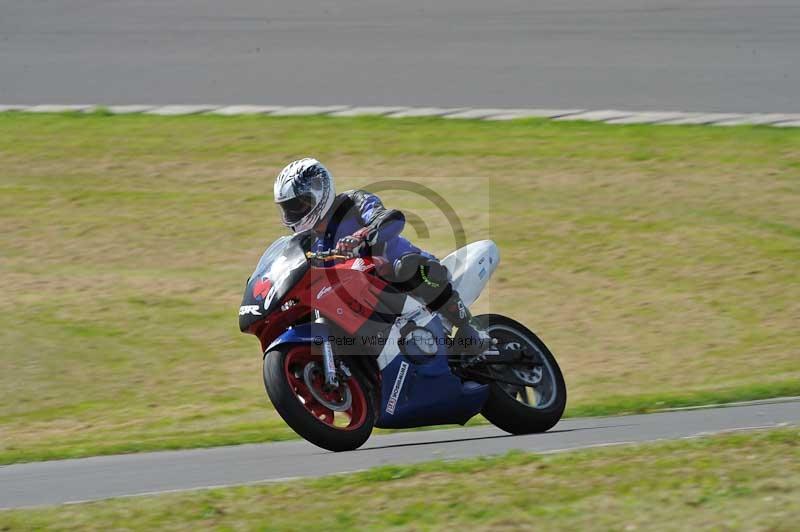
(532, 376)
(312, 374)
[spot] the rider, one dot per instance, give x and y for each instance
(356, 223)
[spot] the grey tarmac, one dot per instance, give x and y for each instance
(55, 482)
(721, 56)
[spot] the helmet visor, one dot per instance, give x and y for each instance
(295, 209)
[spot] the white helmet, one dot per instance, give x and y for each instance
(304, 191)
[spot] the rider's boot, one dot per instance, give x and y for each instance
(471, 340)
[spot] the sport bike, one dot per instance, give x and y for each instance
(344, 351)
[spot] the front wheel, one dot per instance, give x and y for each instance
(337, 420)
(528, 397)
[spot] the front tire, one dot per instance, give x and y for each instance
(340, 420)
(517, 409)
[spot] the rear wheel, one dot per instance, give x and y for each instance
(527, 397)
(337, 420)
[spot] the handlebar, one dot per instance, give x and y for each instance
(329, 254)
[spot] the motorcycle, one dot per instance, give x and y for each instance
(345, 352)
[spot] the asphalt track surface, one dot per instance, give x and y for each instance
(55, 482)
(690, 55)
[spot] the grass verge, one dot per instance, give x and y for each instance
(743, 481)
(658, 263)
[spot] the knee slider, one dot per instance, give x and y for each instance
(424, 278)
(434, 274)
(406, 269)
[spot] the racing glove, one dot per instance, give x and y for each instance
(354, 244)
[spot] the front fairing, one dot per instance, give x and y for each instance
(281, 266)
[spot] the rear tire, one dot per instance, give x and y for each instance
(304, 413)
(502, 409)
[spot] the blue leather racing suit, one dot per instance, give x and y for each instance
(356, 209)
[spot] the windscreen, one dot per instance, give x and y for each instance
(274, 251)
(280, 267)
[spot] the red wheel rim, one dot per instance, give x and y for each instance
(350, 419)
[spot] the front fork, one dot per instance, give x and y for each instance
(328, 362)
